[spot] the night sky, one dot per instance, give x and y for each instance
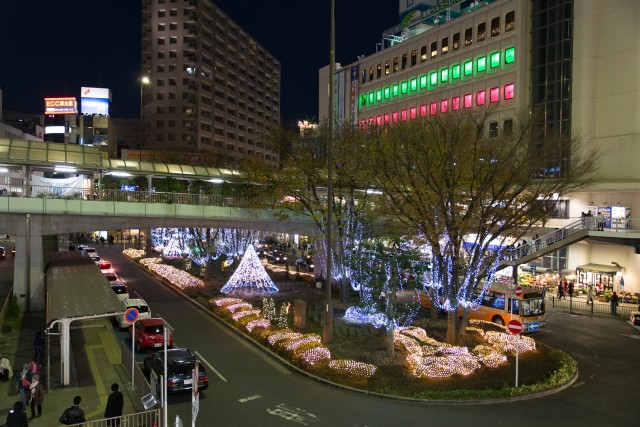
(53, 48)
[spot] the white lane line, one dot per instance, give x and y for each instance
(247, 399)
(211, 368)
(578, 385)
(297, 415)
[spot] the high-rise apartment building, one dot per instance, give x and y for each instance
(211, 86)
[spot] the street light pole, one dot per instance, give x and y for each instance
(327, 330)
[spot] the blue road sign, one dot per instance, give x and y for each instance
(534, 326)
(131, 315)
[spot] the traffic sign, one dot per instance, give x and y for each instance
(519, 291)
(131, 315)
(533, 326)
(515, 327)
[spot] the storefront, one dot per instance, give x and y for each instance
(603, 277)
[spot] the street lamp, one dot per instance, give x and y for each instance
(144, 81)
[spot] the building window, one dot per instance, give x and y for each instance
(444, 75)
(468, 68)
(494, 60)
(414, 57)
(378, 120)
(508, 127)
(173, 40)
(456, 41)
(387, 67)
(386, 119)
(508, 91)
(404, 61)
(495, 27)
(173, 12)
(481, 63)
(423, 110)
(493, 130)
(413, 112)
(379, 71)
(433, 108)
(468, 37)
(509, 55)
(160, 41)
(370, 74)
(395, 64)
(423, 53)
(444, 48)
(482, 32)
(480, 97)
(444, 105)
(162, 13)
(455, 71)
(468, 100)
(394, 116)
(364, 76)
(161, 27)
(510, 21)
(455, 103)
(494, 94)
(434, 49)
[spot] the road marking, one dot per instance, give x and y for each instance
(210, 367)
(637, 337)
(247, 399)
(579, 384)
(296, 415)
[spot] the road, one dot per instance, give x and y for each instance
(248, 388)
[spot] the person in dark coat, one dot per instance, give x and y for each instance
(115, 403)
(73, 415)
(614, 303)
(38, 347)
(17, 417)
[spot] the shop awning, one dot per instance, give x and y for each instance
(599, 268)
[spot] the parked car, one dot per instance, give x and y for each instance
(150, 333)
(111, 276)
(304, 263)
(635, 318)
(90, 251)
(144, 312)
(96, 258)
(276, 257)
(180, 365)
(120, 288)
(2, 253)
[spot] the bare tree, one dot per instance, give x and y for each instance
(443, 180)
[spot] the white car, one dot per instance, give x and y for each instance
(120, 288)
(144, 312)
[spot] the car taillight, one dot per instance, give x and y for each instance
(172, 382)
(204, 378)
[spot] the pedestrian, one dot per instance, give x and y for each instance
(111, 239)
(115, 403)
(73, 414)
(24, 382)
(565, 287)
(571, 289)
(38, 347)
(5, 369)
(17, 417)
(614, 303)
(37, 396)
(560, 291)
(590, 293)
(600, 221)
(34, 367)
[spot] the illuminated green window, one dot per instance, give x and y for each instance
(423, 81)
(468, 68)
(433, 78)
(455, 71)
(509, 55)
(481, 63)
(413, 84)
(404, 86)
(387, 92)
(363, 100)
(379, 95)
(494, 60)
(444, 75)
(395, 90)
(371, 97)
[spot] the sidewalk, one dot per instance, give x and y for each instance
(95, 365)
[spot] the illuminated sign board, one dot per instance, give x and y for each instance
(54, 129)
(95, 100)
(60, 106)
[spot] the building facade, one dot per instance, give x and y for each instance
(211, 86)
(577, 61)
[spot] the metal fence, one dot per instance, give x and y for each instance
(152, 418)
(593, 309)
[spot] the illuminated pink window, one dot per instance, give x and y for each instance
(378, 120)
(395, 116)
(423, 110)
(455, 103)
(413, 112)
(433, 108)
(444, 105)
(480, 95)
(468, 100)
(494, 94)
(508, 91)
(370, 121)
(403, 115)
(386, 118)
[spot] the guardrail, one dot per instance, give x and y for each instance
(150, 418)
(580, 306)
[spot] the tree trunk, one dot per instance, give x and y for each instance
(462, 329)
(390, 342)
(452, 316)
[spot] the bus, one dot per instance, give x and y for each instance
(528, 309)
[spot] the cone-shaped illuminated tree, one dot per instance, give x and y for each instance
(250, 276)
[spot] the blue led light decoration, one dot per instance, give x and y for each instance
(250, 277)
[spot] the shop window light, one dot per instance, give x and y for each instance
(509, 55)
(494, 94)
(480, 97)
(508, 91)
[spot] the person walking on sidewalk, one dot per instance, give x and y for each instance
(16, 417)
(24, 382)
(589, 293)
(561, 291)
(115, 403)
(38, 347)
(73, 415)
(37, 396)
(614, 303)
